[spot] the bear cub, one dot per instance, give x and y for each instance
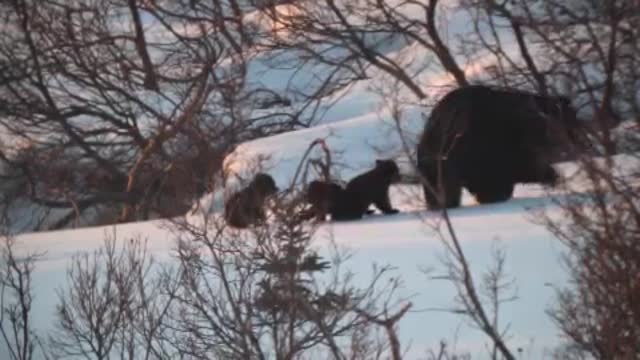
(371, 187)
(323, 196)
(245, 207)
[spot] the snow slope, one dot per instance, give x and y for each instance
(405, 241)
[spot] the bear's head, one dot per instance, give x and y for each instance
(389, 169)
(562, 125)
(554, 129)
(264, 184)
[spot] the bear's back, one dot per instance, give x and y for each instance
(477, 113)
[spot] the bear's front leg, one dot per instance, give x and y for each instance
(384, 204)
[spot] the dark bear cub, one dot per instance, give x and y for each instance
(372, 187)
(323, 197)
(488, 139)
(245, 207)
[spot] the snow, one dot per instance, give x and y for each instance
(405, 241)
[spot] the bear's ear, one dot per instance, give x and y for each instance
(379, 162)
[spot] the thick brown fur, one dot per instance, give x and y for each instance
(487, 139)
(245, 207)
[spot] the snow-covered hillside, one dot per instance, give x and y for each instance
(404, 241)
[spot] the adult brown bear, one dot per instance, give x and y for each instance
(488, 139)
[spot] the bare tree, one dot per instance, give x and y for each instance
(355, 36)
(583, 49)
(108, 295)
(598, 314)
(117, 103)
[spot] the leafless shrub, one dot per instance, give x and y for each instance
(478, 301)
(598, 314)
(16, 300)
(108, 297)
(266, 293)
